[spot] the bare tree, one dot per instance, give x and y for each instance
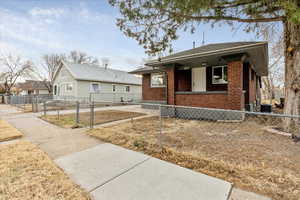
(50, 65)
(13, 68)
(275, 78)
(81, 58)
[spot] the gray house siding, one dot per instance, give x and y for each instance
(106, 93)
(81, 89)
(63, 78)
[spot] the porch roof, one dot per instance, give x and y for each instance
(214, 54)
(145, 70)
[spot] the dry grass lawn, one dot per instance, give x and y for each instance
(27, 173)
(68, 120)
(8, 132)
(242, 153)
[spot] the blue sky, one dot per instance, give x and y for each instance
(36, 27)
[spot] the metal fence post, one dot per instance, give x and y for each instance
(92, 115)
(77, 112)
(32, 105)
(160, 129)
(44, 105)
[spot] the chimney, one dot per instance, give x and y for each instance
(105, 65)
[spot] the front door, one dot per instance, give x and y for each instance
(199, 79)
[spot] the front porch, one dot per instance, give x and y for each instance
(222, 86)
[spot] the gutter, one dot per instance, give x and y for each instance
(138, 84)
(204, 53)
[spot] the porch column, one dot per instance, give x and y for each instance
(235, 85)
(171, 85)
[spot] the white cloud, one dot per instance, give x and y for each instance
(50, 12)
(35, 32)
(6, 49)
(90, 16)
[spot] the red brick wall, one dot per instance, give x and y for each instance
(171, 85)
(235, 85)
(233, 99)
(203, 100)
(152, 94)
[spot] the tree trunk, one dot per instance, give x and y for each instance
(292, 76)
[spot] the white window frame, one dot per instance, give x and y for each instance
(126, 88)
(91, 87)
(66, 85)
(157, 86)
(212, 74)
(113, 87)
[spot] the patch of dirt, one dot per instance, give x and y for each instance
(8, 132)
(27, 173)
(100, 117)
(242, 153)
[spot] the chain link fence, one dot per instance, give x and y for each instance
(76, 114)
(28, 103)
(251, 149)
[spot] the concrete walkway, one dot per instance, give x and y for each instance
(54, 140)
(112, 172)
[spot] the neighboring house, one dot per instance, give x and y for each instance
(223, 75)
(32, 87)
(85, 81)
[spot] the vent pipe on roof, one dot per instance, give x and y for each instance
(194, 44)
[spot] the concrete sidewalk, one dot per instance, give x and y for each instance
(111, 172)
(55, 141)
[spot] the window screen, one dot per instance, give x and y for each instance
(157, 80)
(219, 75)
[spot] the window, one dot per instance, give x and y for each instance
(113, 88)
(95, 87)
(157, 80)
(127, 88)
(55, 89)
(69, 87)
(219, 75)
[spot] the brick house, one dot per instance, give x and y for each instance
(223, 75)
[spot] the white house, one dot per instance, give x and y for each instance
(32, 87)
(92, 82)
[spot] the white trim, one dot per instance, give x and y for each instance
(159, 86)
(69, 83)
(212, 74)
